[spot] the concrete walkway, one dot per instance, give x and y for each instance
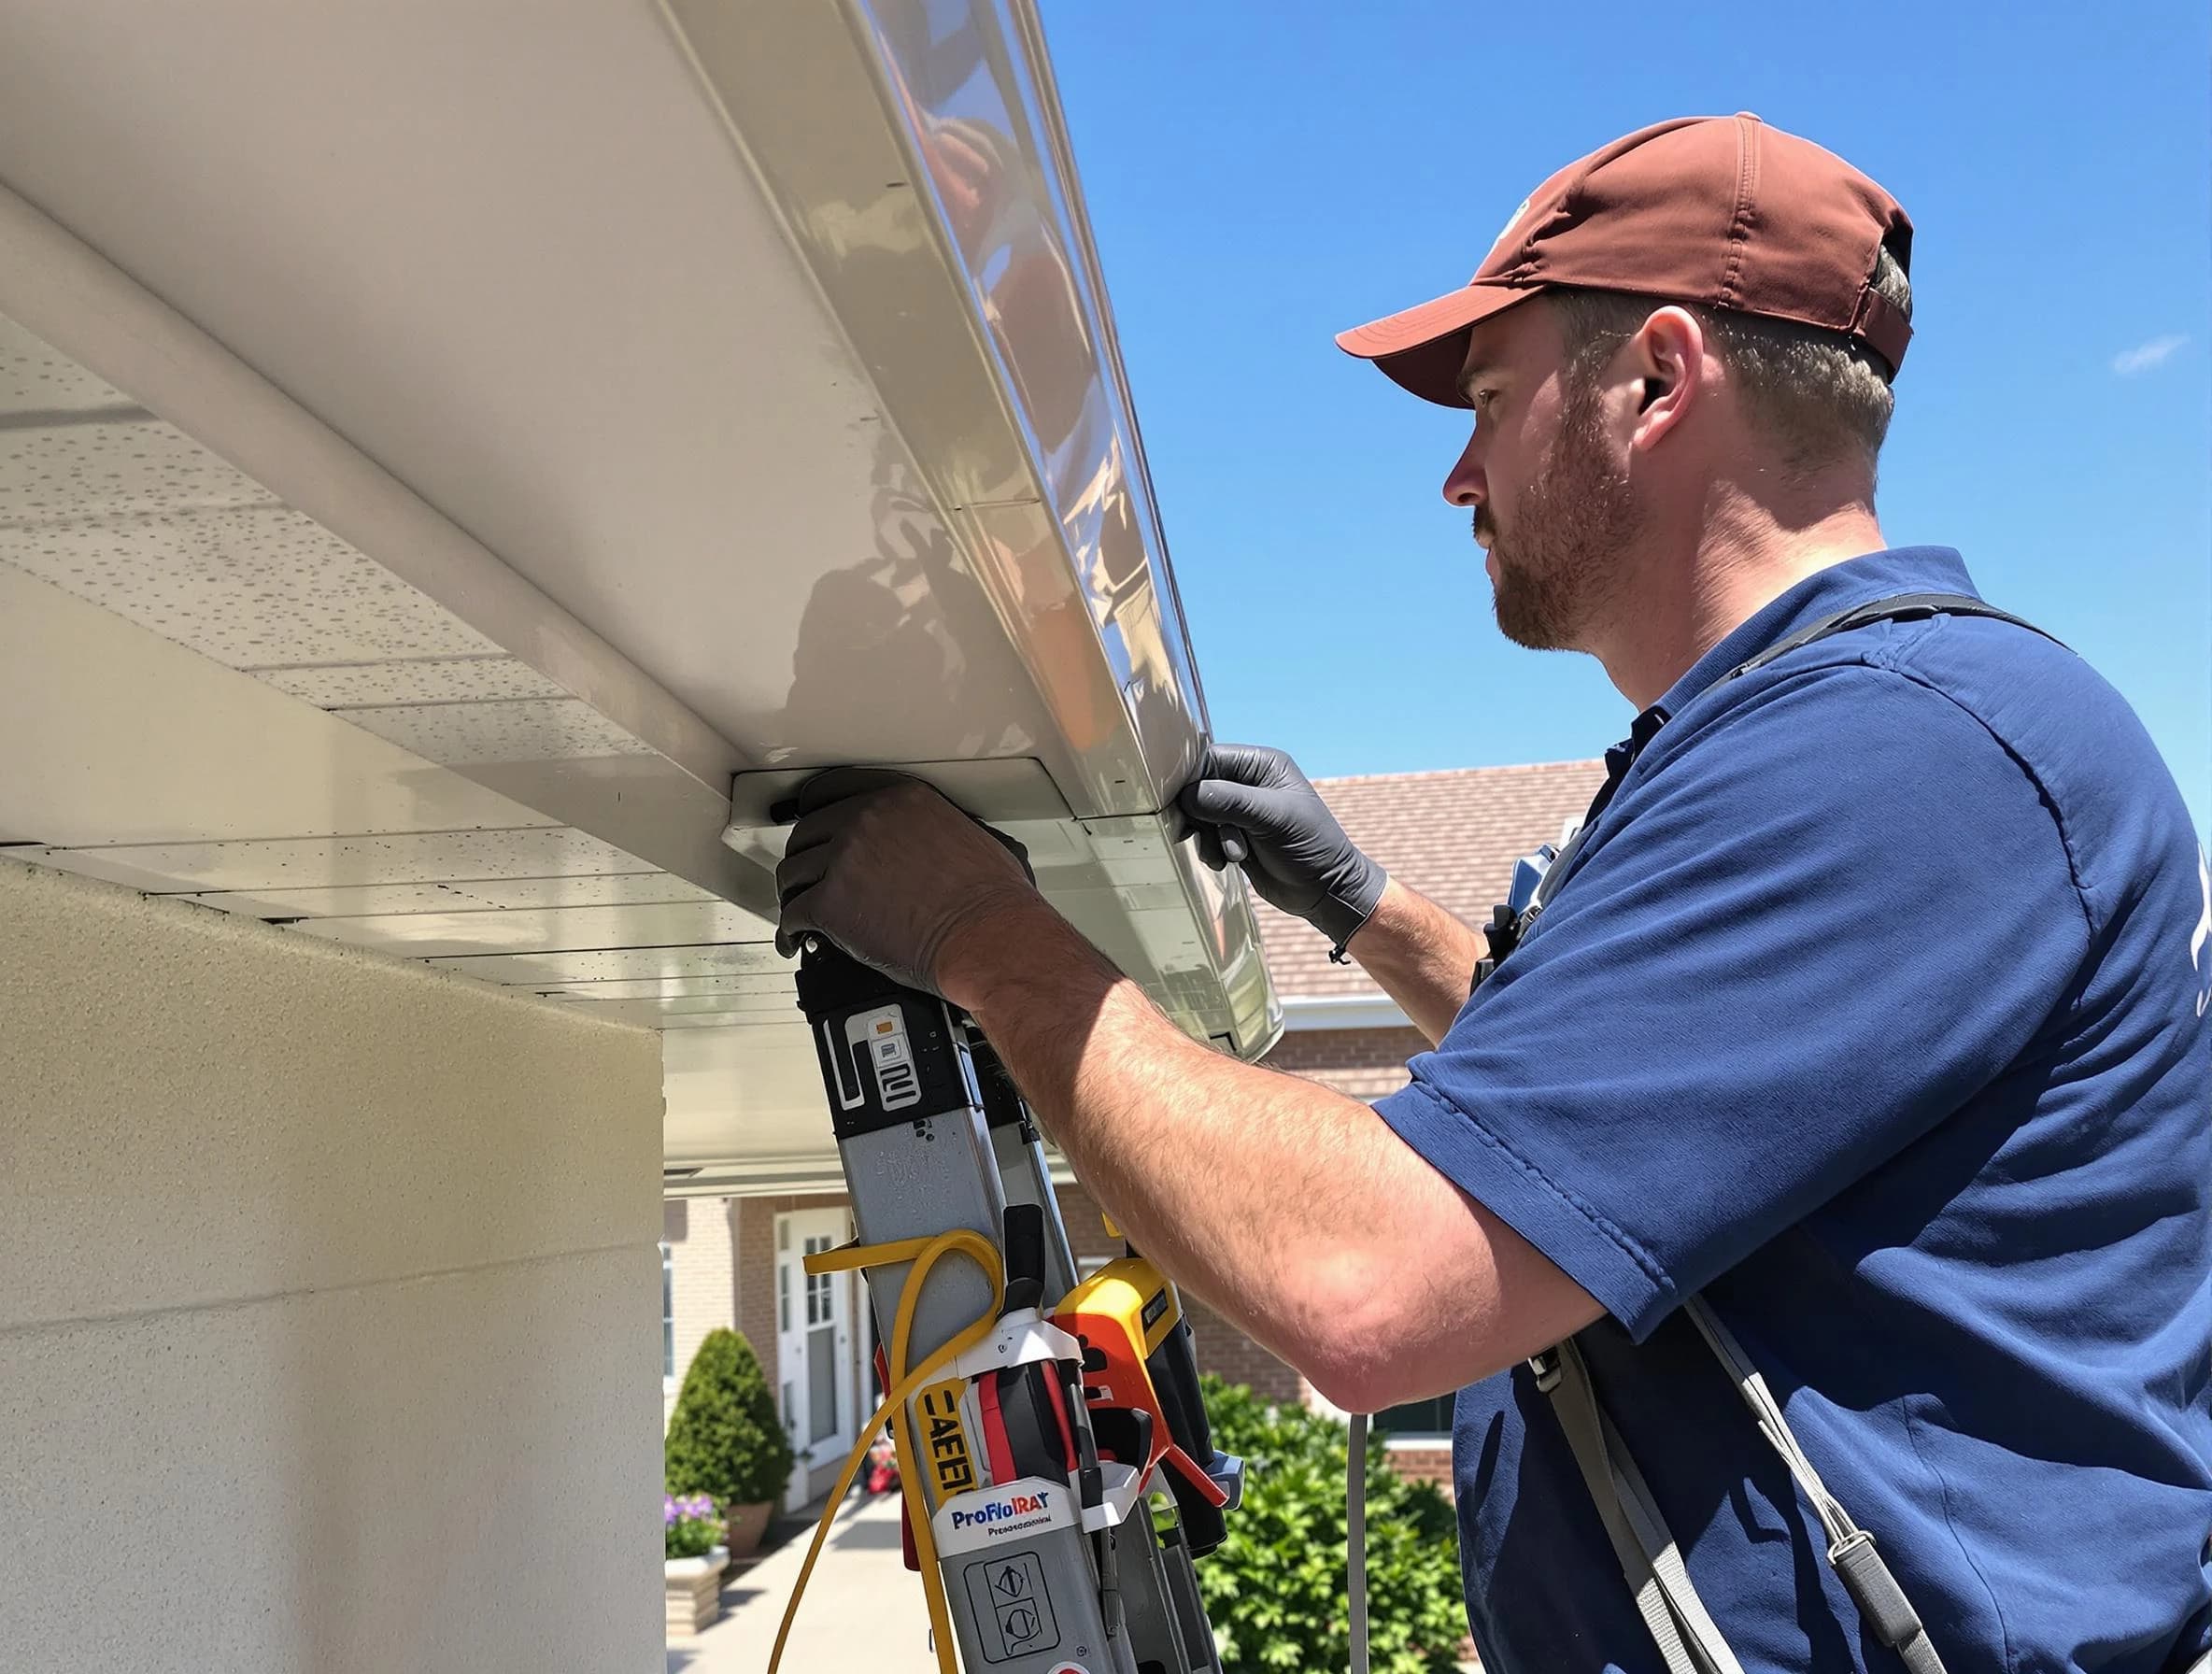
(863, 1609)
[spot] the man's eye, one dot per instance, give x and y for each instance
(1484, 399)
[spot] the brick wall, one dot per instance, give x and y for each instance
(704, 1275)
(1425, 1463)
(1362, 1063)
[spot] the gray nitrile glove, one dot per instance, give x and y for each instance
(1299, 858)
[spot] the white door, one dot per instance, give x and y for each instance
(814, 1347)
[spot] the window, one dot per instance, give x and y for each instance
(667, 1315)
(1417, 1418)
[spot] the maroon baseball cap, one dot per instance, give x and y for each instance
(1721, 211)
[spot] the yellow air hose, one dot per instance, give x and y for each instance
(924, 1252)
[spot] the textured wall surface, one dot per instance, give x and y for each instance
(326, 1306)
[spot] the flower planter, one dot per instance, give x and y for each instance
(744, 1527)
(694, 1587)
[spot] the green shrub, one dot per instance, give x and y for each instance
(725, 1440)
(1275, 1587)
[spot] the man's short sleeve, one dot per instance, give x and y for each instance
(1804, 934)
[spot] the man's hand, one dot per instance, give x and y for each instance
(886, 868)
(1300, 860)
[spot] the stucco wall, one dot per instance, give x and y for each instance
(326, 1306)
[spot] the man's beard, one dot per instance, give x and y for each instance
(1562, 563)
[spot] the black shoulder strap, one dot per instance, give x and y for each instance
(1903, 607)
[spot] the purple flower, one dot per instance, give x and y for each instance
(695, 1508)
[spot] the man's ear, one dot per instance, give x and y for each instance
(1667, 362)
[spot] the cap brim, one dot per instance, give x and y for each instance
(1423, 348)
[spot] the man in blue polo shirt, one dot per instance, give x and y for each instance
(1861, 1035)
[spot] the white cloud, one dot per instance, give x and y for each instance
(2146, 357)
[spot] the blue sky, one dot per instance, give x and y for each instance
(1260, 178)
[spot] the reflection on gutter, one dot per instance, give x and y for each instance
(895, 624)
(974, 107)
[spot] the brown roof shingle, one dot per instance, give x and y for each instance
(1452, 835)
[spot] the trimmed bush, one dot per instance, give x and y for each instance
(725, 1440)
(1275, 1587)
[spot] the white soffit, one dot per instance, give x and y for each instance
(218, 699)
(215, 697)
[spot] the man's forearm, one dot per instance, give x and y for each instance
(1423, 956)
(1292, 1209)
(1110, 1077)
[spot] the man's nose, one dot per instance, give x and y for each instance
(1466, 485)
